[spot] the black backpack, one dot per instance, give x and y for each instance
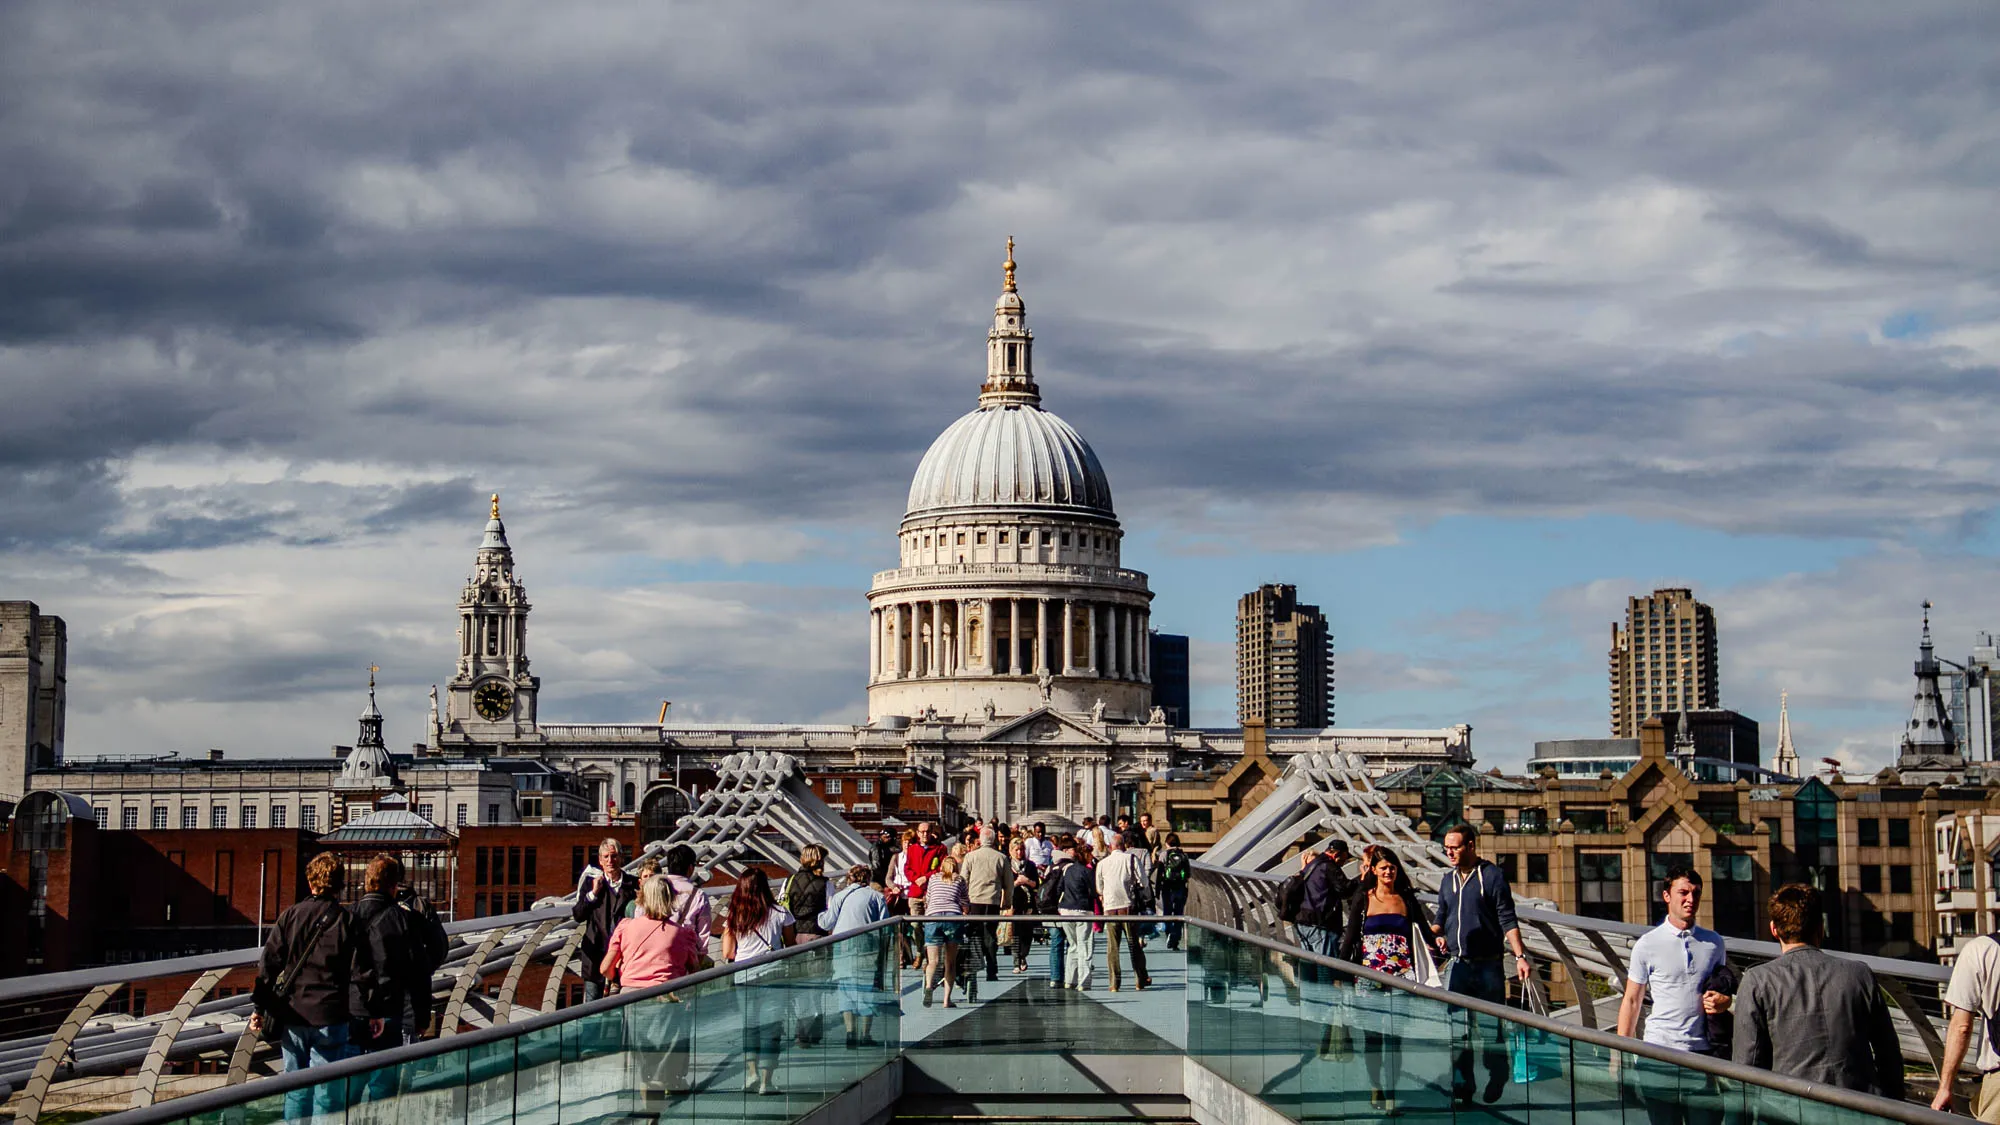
(1291, 896)
(1174, 868)
(428, 941)
(1049, 899)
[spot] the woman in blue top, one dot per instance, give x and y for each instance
(857, 961)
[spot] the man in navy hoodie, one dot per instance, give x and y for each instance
(1475, 920)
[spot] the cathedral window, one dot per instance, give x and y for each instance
(1003, 537)
(1013, 357)
(961, 539)
(1065, 538)
(980, 538)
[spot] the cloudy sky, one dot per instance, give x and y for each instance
(1470, 319)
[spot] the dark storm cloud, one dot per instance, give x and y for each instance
(686, 280)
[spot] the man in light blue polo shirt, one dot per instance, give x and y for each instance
(1673, 962)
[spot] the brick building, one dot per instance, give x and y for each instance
(1599, 847)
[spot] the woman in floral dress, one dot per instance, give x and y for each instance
(1385, 924)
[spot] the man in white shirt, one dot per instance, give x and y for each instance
(1116, 873)
(1974, 992)
(1672, 962)
(1041, 850)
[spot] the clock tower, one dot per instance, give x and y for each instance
(492, 698)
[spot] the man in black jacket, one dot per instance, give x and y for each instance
(397, 986)
(601, 898)
(1324, 887)
(305, 985)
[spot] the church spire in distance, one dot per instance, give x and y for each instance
(1787, 761)
(1010, 348)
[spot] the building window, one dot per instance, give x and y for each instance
(249, 819)
(479, 867)
(493, 814)
(479, 905)
(218, 816)
(579, 857)
(103, 816)
(278, 816)
(865, 786)
(1871, 879)
(1190, 819)
(1902, 926)
(979, 538)
(893, 786)
(1509, 865)
(1899, 879)
(128, 817)
(832, 786)
(1899, 832)
(1003, 537)
(309, 817)
(1538, 867)
(460, 822)
(1600, 885)
(428, 811)
(159, 816)
(528, 866)
(1871, 832)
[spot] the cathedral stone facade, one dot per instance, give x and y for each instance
(1007, 652)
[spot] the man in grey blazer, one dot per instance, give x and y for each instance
(1814, 1016)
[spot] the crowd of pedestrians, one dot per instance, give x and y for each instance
(335, 981)
(1803, 1013)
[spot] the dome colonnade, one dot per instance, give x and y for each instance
(1009, 595)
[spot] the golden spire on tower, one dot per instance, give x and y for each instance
(1010, 264)
(496, 505)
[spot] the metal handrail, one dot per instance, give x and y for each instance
(1832, 1095)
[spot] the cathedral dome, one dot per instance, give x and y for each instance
(1014, 456)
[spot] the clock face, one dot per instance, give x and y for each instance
(493, 700)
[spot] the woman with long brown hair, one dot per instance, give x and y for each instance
(757, 925)
(1387, 931)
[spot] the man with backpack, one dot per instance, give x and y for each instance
(1323, 886)
(396, 988)
(432, 945)
(1171, 876)
(304, 992)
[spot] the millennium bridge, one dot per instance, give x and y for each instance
(1240, 1027)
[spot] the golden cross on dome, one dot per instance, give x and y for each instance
(496, 505)
(1010, 263)
(372, 669)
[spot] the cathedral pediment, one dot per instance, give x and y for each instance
(1044, 725)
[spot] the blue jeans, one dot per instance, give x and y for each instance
(1320, 940)
(1173, 900)
(1485, 980)
(305, 1047)
(1056, 941)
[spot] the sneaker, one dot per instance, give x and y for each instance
(927, 997)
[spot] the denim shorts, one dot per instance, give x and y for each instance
(942, 933)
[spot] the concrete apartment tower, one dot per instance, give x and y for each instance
(34, 658)
(1284, 660)
(1662, 660)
